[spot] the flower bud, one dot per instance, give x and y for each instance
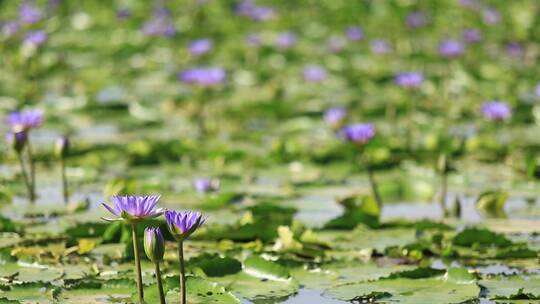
(17, 139)
(61, 147)
(154, 244)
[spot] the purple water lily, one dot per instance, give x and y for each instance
(360, 133)
(253, 40)
(10, 28)
(451, 48)
(29, 13)
(286, 40)
(491, 16)
(335, 117)
(335, 43)
(183, 224)
(154, 244)
(514, 49)
(200, 46)
(35, 38)
(133, 208)
(204, 185)
(409, 79)
(496, 110)
(416, 20)
(354, 33)
(314, 73)
(537, 90)
(161, 24)
(17, 139)
(25, 120)
(471, 36)
(256, 12)
(380, 46)
(203, 76)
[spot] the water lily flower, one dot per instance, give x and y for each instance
(409, 79)
(25, 120)
(10, 28)
(335, 117)
(360, 133)
(496, 110)
(491, 16)
(514, 49)
(35, 38)
(380, 46)
(183, 224)
(133, 208)
(248, 8)
(451, 48)
(200, 47)
(161, 24)
(29, 13)
(471, 36)
(203, 76)
(17, 139)
(335, 43)
(314, 73)
(154, 247)
(204, 185)
(354, 33)
(416, 20)
(253, 40)
(286, 40)
(537, 90)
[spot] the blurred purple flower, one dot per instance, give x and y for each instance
(359, 133)
(285, 40)
(334, 117)
(473, 4)
(200, 47)
(10, 28)
(496, 110)
(203, 76)
(133, 208)
(416, 20)
(409, 79)
(354, 33)
(160, 25)
(380, 46)
(491, 16)
(537, 90)
(25, 120)
(183, 224)
(35, 38)
(256, 12)
(336, 43)
(471, 36)
(314, 73)
(123, 13)
(253, 40)
(204, 185)
(451, 48)
(514, 49)
(29, 13)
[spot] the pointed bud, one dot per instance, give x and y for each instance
(154, 244)
(17, 139)
(61, 147)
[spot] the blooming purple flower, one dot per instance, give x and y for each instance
(496, 110)
(203, 76)
(183, 224)
(491, 16)
(451, 48)
(335, 43)
(514, 49)
(29, 13)
(285, 40)
(359, 133)
(10, 28)
(380, 46)
(35, 38)
(314, 73)
(256, 12)
(334, 117)
(200, 47)
(409, 79)
(471, 36)
(203, 185)
(25, 120)
(133, 208)
(354, 33)
(416, 20)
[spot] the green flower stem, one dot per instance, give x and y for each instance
(32, 172)
(137, 263)
(25, 176)
(182, 272)
(64, 180)
(373, 184)
(444, 182)
(160, 284)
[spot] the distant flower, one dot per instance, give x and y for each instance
(160, 25)
(335, 43)
(61, 147)
(491, 16)
(380, 46)
(496, 110)
(35, 38)
(514, 49)
(203, 76)
(133, 208)
(409, 79)
(360, 133)
(537, 90)
(471, 36)
(25, 120)
(154, 244)
(416, 20)
(354, 33)
(10, 28)
(204, 185)
(314, 73)
(334, 117)
(285, 40)
(200, 47)
(183, 224)
(123, 13)
(253, 40)
(473, 4)
(451, 48)
(29, 13)
(256, 12)
(17, 139)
